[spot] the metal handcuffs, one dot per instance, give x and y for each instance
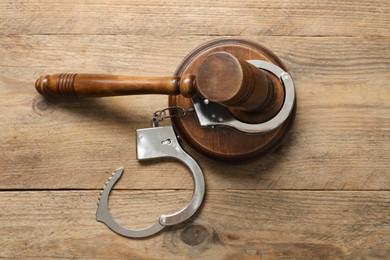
(152, 143)
(160, 142)
(213, 114)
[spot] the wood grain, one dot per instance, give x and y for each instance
(275, 224)
(323, 195)
(137, 17)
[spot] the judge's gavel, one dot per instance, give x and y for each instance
(221, 78)
(251, 95)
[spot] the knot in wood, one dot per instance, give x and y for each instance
(194, 235)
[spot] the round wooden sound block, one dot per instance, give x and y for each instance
(223, 142)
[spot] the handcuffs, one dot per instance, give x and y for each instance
(161, 141)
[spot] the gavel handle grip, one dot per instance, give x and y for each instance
(97, 85)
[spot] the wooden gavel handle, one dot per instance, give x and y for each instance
(97, 85)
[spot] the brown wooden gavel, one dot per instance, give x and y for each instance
(217, 71)
(221, 78)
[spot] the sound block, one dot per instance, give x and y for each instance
(222, 142)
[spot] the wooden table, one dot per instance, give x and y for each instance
(324, 194)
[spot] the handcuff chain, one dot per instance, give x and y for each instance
(162, 114)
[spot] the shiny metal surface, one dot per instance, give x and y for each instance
(212, 114)
(103, 213)
(156, 142)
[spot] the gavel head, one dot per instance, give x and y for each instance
(224, 79)
(249, 92)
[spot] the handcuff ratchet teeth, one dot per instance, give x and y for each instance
(153, 143)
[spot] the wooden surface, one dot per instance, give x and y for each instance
(324, 194)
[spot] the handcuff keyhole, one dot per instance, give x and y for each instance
(166, 142)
